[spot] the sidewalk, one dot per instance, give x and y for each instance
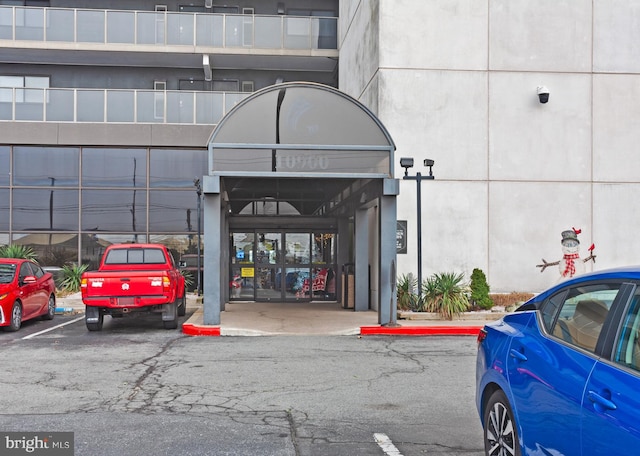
(316, 318)
(263, 319)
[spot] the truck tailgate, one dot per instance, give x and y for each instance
(127, 285)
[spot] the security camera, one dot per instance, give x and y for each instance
(543, 94)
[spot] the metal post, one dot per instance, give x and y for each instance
(419, 198)
(196, 182)
(407, 163)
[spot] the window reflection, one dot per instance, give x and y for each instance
(35, 209)
(46, 166)
(114, 210)
(5, 169)
(114, 167)
(176, 168)
(94, 244)
(51, 249)
(4, 209)
(174, 211)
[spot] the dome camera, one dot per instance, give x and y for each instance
(543, 94)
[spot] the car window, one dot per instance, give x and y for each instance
(7, 272)
(25, 270)
(580, 315)
(37, 270)
(628, 344)
(135, 256)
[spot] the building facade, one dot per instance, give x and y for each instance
(106, 112)
(456, 81)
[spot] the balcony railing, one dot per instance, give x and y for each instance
(65, 25)
(116, 106)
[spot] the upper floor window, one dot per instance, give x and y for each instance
(24, 86)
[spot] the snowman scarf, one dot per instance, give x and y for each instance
(570, 265)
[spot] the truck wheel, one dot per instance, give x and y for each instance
(170, 316)
(93, 318)
(172, 324)
(182, 306)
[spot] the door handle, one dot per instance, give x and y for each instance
(517, 355)
(601, 403)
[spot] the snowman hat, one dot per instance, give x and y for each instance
(570, 235)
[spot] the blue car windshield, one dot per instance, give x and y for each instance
(7, 273)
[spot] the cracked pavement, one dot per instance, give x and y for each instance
(158, 392)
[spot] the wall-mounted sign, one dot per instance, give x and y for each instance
(401, 236)
(247, 272)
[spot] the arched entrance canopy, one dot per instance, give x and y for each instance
(301, 117)
(315, 148)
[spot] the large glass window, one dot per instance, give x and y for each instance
(4, 209)
(35, 209)
(173, 211)
(46, 166)
(176, 168)
(5, 168)
(114, 167)
(114, 210)
(297, 248)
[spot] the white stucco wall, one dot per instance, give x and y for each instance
(455, 81)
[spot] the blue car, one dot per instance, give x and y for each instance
(561, 375)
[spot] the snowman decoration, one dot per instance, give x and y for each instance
(570, 264)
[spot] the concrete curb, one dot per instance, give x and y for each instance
(449, 330)
(466, 330)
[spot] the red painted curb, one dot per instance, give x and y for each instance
(420, 330)
(196, 330)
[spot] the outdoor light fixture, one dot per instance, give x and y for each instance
(543, 94)
(407, 163)
(428, 163)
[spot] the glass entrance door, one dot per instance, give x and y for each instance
(282, 266)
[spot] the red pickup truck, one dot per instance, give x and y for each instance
(134, 278)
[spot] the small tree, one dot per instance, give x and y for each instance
(480, 290)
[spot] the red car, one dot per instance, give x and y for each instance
(26, 292)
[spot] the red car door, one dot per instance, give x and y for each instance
(28, 293)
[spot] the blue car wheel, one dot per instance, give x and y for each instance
(500, 432)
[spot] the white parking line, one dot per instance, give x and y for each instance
(51, 329)
(386, 444)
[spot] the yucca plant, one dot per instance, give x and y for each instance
(188, 279)
(445, 294)
(18, 251)
(407, 298)
(71, 276)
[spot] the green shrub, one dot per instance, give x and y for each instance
(71, 276)
(480, 290)
(407, 298)
(445, 294)
(18, 251)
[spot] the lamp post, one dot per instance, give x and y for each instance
(407, 163)
(196, 183)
